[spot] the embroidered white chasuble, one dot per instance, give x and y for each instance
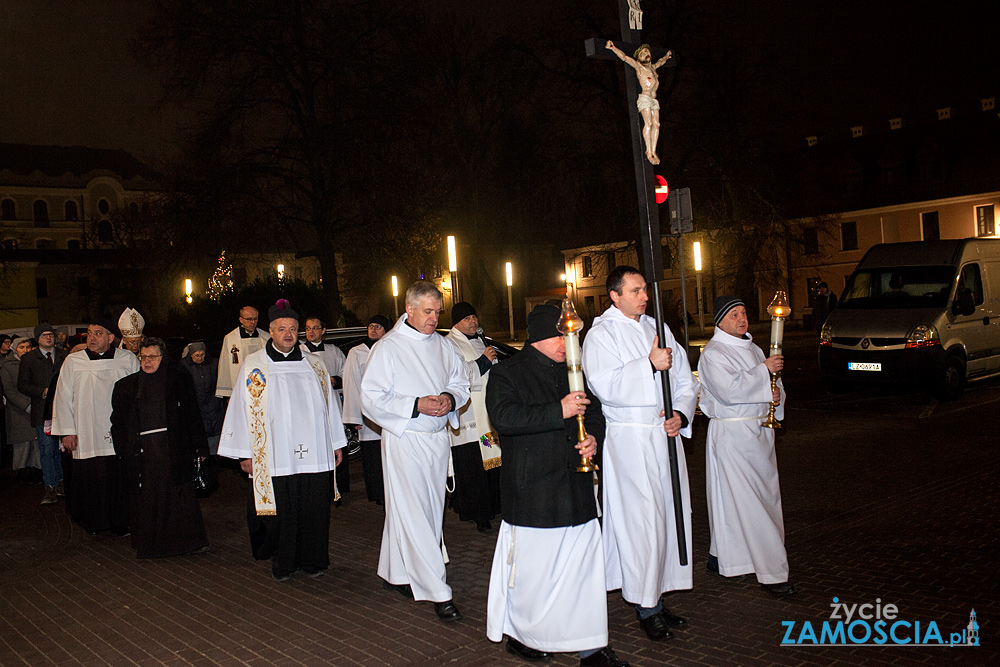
(282, 417)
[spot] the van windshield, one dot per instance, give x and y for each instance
(899, 287)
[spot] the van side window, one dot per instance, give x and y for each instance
(972, 281)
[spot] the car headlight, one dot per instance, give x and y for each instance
(826, 335)
(923, 335)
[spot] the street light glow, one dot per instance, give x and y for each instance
(187, 290)
(697, 255)
(452, 256)
(510, 275)
(281, 271)
(395, 287)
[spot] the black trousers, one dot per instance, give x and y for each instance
(298, 536)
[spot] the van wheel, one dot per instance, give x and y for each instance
(951, 384)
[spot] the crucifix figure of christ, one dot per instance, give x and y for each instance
(630, 16)
(646, 103)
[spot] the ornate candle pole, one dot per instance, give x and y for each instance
(570, 325)
(778, 310)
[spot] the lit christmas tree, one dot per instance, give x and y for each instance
(221, 280)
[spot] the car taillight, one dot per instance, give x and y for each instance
(826, 336)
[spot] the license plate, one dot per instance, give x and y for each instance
(863, 366)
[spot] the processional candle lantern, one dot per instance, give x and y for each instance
(778, 310)
(570, 325)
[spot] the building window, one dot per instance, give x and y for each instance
(41, 210)
(612, 262)
(73, 244)
(41, 288)
(812, 289)
(984, 221)
(104, 231)
(83, 286)
(45, 244)
(810, 239)
(848, 236)
(72, 212)
(103, 206)
(929, 225)
(588, 304)
(8, 211)
(588, 267)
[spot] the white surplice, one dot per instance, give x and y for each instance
(403, 366)
(82, 404)
(229, 363)
(640, 539)
(744, 497)
(547, 588)
(353, 371)
(333, 360)
(304, 425)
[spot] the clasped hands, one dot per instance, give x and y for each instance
(435, 406)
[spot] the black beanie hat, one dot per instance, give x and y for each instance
(281, 308)
(722, 305)
(461, 310)
(381, 320)
(542, 321)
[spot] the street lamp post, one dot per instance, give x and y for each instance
(187, 290)
(453, 270)
(510, 300)
(395, 298)
(700, 295)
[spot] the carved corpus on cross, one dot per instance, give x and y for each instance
(649, 214)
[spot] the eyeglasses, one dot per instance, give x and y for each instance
(314, 328)
(143, 357)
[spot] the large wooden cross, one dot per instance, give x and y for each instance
(649, 221)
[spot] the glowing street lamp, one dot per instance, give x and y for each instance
(187, 290)
(700, 295)
(395, 297)
(510, 300)
(281, 272)
(453, 269)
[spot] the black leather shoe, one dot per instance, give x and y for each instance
(312, 572)
(603, 658)
(515, 647)
(484, 526)
(402, 589)
(655, 626)
(279, 575)
(779, 590)
(447, 611)
(672, 620)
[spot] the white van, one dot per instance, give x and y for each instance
(923, 311)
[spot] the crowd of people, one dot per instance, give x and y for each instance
(120, 432)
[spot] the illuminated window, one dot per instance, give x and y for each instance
(984, 221)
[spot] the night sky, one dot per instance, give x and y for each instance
(68, 76)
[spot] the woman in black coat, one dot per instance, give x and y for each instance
(157, 433)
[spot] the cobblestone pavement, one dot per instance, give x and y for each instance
(886, 497)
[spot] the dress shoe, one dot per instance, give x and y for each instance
(312, 572)
(60, 489)
(655, 626)
(402, 589)
(484, 526)
(671, 620)
(200, 550)
(515, 647)
(779, 590)
(603, 658)
(447, 611)
(278, 575)
(121, 531)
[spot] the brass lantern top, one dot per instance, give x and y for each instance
(569, 321)
(779, 305)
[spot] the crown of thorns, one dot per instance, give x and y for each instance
(641, 47)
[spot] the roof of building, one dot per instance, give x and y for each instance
(57, 161)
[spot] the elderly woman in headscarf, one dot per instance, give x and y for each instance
(157, 433)
(20, 432)
(204, 371)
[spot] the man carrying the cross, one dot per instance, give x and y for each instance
(283, 424)
(648, 107)
(623, 361)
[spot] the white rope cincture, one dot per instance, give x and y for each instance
(512, 556)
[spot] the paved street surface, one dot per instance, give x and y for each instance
(888, 497)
